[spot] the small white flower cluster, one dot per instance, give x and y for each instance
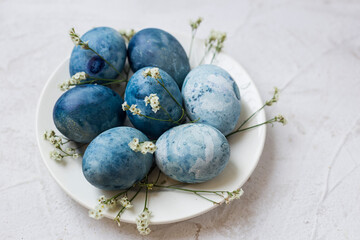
(124, 201)
(143, 221)
(75, 79)
(152, 72)
(57, 142)
(98, 212)
(127, 34)
(274, 99)
(153, 100)
(280, 119)
(145, 147)
(52, 138)
(234, 195)
(195, 24)
(216, 40)
(77, 40)
(133, 108)
(55, 155)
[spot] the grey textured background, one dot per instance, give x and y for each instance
(307, 183)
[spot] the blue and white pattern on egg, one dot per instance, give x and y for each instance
(192, 153)
(110, 164)
(212, 96)
(140, 87)
(109, 44)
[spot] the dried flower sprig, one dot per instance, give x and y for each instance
(194, 26)
(58, 154)
(85, 45)
(127, 34)
(143, 147)
(215, 43)
(279, 118)
(83, 78)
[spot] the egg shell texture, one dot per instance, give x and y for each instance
(212, 96)
(110, 164)
(138, 88)
(192, 153)
(157, 48)
(108, 43)
(85, 111)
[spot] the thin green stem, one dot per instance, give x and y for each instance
(157, 119)
(206, 198)
(206, 53)
(167, 113)
(213, 57)
(104, 60)
(158, 177)
(254, 126)
(186, 189)
(192, 41)
(251, 117)
(123, 208)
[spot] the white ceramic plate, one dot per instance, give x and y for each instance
(167, 206)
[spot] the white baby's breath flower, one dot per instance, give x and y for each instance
(147, 100)
(124, 201)
(134, 145)
(155, 109)
(143, 221)
(125, 106)
(75, 156)
(152, 72)
(154, 102)
(135, 110)
(56, 155)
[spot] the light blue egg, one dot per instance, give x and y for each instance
(110, 164)
(211, 95)
(192, 153)
(138, 88)
(109, 44)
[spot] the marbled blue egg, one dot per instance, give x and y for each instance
(110, 164)
(211, 95)
(138, 88)
(192, 153)
(85, 111)
(157, 48)
(109, 44)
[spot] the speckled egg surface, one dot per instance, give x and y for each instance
(192, 153)
(138, 88)
(85, 111)
(211, 95)
(110, 164)
(109, 44)
(157, 48)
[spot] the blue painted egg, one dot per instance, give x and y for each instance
(109, 44)
(140, 87)
(110, 164)
(210, 93)
(157, 48)
(192, 153)
(85, 111)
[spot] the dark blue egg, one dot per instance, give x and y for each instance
(138, 88)
(110, 164)
(212, 96)
(157, 48)
(192, 153)
(109, 44)
(85, 111)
